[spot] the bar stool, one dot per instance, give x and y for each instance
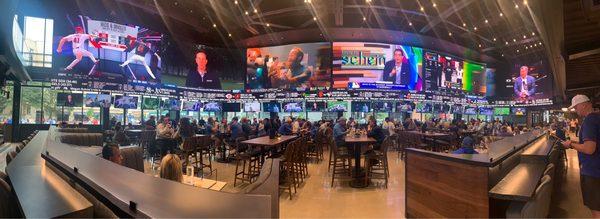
(246, 163)
(341, 162)
(379, 156)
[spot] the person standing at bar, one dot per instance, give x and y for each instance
(589, 156)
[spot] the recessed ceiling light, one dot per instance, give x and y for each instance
(434, 5)
(532, 33)
(524, 36)
(229, 35)
(464, 25)
(314, 18)
(268, 25)
(409, 23)
(502, 54)
(449, 33)
(506, 43)
(422, 9)
(214, 25)
(514, 40)
(525, 2)
(255, 11)
(474, 28)
(517, 50)
(176, 3)
(364, 18)
(479, 45)
(501, 14)
(191, 11)
(246, 12)
(486, 21)
(516, 6)
(235, 2)
(494, 39)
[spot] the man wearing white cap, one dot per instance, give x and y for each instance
(589, 157)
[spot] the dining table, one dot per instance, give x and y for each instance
(357, 142)
(223, 158)
(265, 141)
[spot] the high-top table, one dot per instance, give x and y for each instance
(357, 143)
(266, 141)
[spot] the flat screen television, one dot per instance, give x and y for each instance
(126, 102)
(191, 106)
(213, 107)
(424, 107)
(383, 106)
(470, 111)
(337, 106)
(457, 109)
(488, 111)
(315, 106)
(362, 107)
(405, 106)
(232, 107)
(150, 103)
(171, 104)
(519, 111)
(293, 107)
(252, 107)
(501, 111)
(98, 100)
(69, 99)
(272, 107)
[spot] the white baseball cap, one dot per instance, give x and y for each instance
(577, 99)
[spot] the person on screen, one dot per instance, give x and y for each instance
(69, 101)
(201, 77)
(397, 70)
(78, 39)
(298, 73)
(141, 48)
(524, 86)
(314, 107)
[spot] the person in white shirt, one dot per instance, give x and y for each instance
(78, 39)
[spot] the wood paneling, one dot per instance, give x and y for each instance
(442, 188)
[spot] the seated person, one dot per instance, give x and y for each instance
(120, 137)
(286, 128)
(376, 132)
(171, 168)
(466, 147)
(111, 152)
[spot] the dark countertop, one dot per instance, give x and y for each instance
(497, 151)
(40, 191)
(520, 183)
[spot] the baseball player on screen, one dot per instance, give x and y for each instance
(78, 39)
(141, 48)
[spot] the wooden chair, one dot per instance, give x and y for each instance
(247, 163)
(380, 157)
(289, 177)
(341, 162)
(188, 148)
(204, 149)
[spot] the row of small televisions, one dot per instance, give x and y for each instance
(131, 102)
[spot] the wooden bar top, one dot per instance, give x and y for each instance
(266, 141)
(520, 183)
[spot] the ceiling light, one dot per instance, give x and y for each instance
(514, 40)
(464, 25)
(524, 37)
(486, 21)
(502, 54)
(494, 39)
(255, 11)
(525, 2)
(215, 25)
(526, 47)
(501, 14)
(422, 9)
(517, 50)
(235, 2)
(191, 11)
(434, 5)
(364, 18)
(479, 45)
(268, 25)
(516, 6)
(506, 43)
(540, 43)
(449, 33)
(409, 23)
(474, 28)
(229, 35)
(314, 18)
(532, 33)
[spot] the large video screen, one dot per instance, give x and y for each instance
(126, 102)
(213, 107)
(376, 66)
(528, 82)
(171, 104)
(191, 106)
(488, 111)
(98, 100)
(501, 111)
(252, 107)
(363, 107)
(519, 111)
(293, 107)
(272, 107)
(383, 106)
(315, 106)
(69, 99)
(150, 103)
(337, 106)
(107, 50)
(232, 107)
(296, 67)
(406, 106)
(451, 74)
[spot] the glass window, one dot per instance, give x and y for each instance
(31, 105)
(37, 42)
(6, 101)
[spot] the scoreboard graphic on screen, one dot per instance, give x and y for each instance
(112, 35)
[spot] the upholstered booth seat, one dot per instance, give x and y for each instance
(73, 130)
(537, 207)
(133, 157)
(82, 139)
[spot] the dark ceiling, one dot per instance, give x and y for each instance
(501, 28)
(582, 46)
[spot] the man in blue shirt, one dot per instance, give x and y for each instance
(236, 129)
(286, 128)
(339, 132)
(466, 146)
(589, 157)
